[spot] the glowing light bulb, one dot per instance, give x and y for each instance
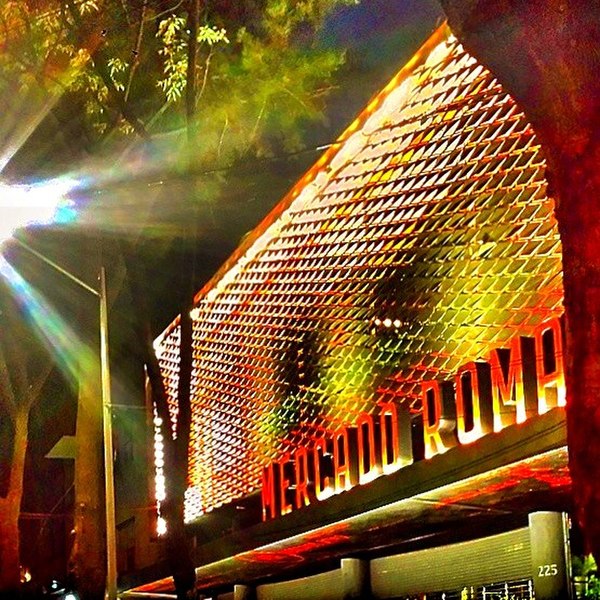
(161, 526)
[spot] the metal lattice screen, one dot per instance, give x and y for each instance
(426, 240)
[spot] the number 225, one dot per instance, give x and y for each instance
(548, 570)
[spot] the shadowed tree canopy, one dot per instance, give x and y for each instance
(546, 53)
(121, 68)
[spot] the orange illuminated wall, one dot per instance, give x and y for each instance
(420, 241)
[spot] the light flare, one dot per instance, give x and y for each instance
(35, 205)
(72, 354)
(17, 129)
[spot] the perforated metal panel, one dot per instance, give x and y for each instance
(489, 562)
(424, 242)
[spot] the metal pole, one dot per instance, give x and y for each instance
(111, 542)
(57, 267)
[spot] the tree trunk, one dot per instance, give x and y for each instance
(578, 188)
(88, 562)
(545, 53)
(173, 509)
(10, 507)
(177, 543)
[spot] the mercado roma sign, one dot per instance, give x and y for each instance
(508, 387)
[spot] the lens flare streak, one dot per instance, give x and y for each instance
(72, 354)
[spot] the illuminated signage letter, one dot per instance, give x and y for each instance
(549, 365)
(269, 507)
(396, 445)
(514, 393)
(345, 463)
(323, 466)
(301, 464)
(438, 417)
(474, 413)
(285, 466)
(368, 465)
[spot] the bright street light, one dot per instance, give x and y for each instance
(34, 204)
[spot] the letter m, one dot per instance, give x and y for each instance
(269, 507)
(514, 392)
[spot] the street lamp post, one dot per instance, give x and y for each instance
(109, 482)
(109, 486)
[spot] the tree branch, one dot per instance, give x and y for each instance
(100, 63)
(136, 51)
(15, 481)
(35, 388)
(193, 21)
(256, 124)
(18, 361)
(222, 136)
(205, 76)
(168, 11)
(7, 392)
(126, 11)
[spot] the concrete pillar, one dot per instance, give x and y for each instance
(355, 578)
(243, 592)
(550, 555)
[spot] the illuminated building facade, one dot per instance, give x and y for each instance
(380, 363)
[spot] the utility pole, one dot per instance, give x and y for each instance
(109, 486)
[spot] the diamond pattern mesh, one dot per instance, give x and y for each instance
(423, 243)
